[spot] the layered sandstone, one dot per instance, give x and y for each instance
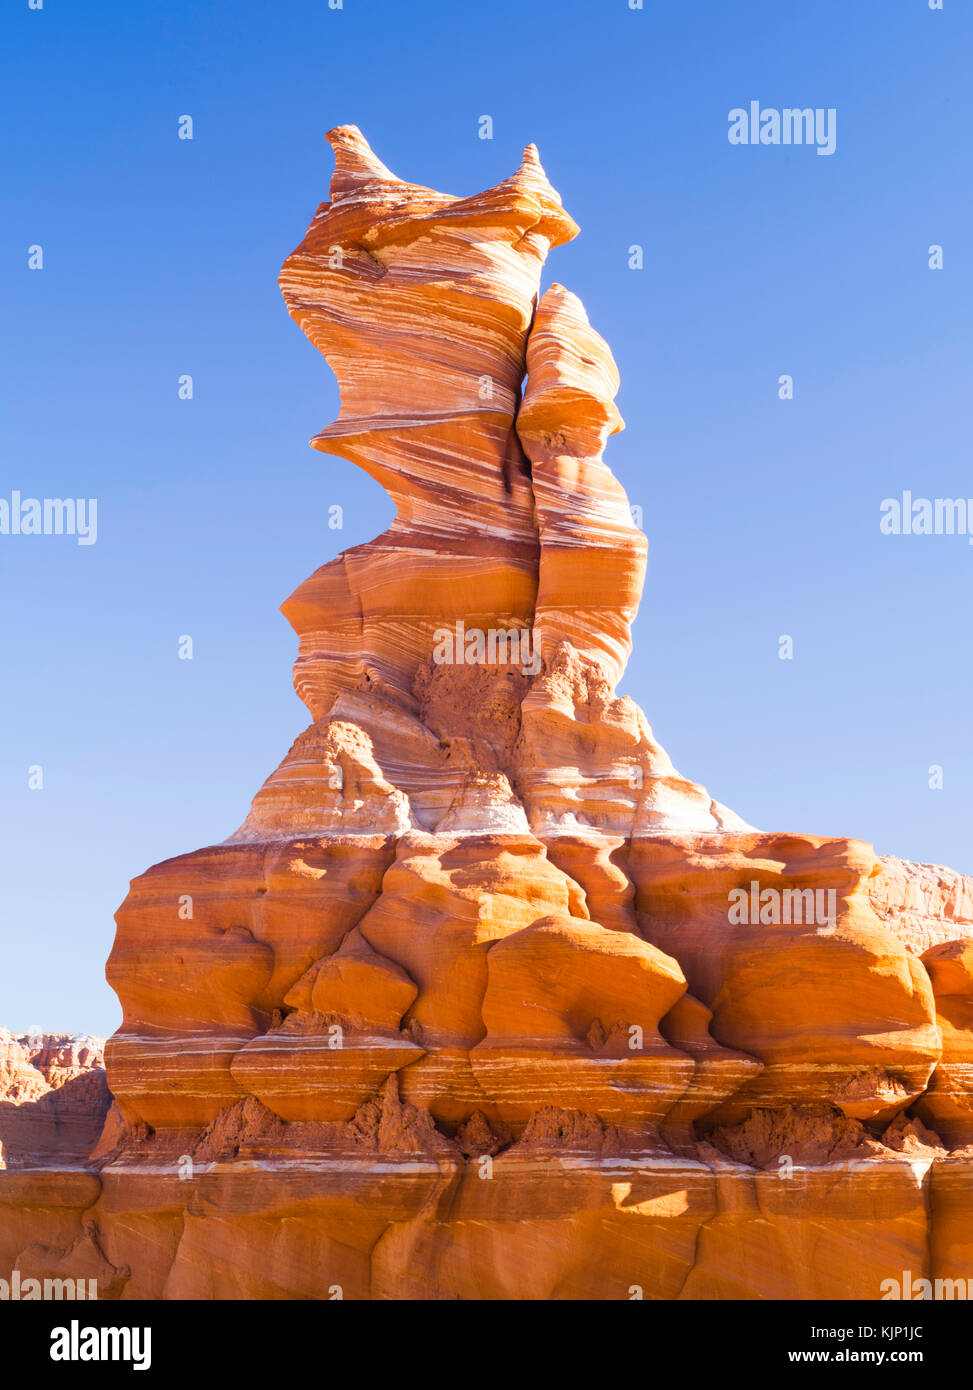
(54, 1107)
(53, 1098)
(922, 904)
(484, 999)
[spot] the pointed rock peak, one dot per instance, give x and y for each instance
(531, 179)
(355, 163)
(531, 172)
(558, 300)
(532, 160)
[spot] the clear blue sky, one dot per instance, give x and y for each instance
(161, 257)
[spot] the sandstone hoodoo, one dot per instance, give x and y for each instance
(484, 999)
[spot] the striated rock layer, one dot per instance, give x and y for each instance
(484, 1000)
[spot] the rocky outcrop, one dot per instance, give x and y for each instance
(484, 999)
(922, 904)
(53, 1098)
(54, 1106)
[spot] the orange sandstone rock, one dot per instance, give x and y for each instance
(484, 1000)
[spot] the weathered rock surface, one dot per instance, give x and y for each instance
(922, 904)
(53, 1098)
(54, 1106)
(484, 1000)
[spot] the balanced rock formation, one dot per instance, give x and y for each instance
(484, 1000)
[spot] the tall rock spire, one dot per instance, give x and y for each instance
(476, 914)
